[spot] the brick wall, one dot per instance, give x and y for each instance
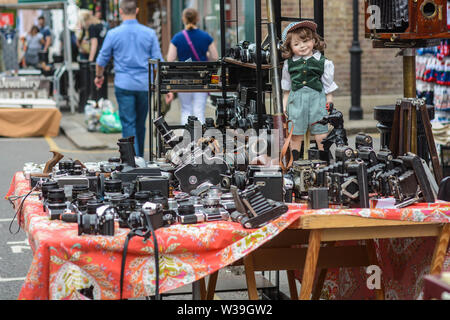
(381, 69)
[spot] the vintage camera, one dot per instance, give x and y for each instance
(346, 179)
(240, 51)
(45, 186)
(97, 220)
(113, 164)
(304, 175)
(211, 205)
(166, 133)
(383, 164)
(253, 210)
(246, 52)
(401, 21)
(69, 173)
(153, 183)
(268, 179)
(83, 199)
(130, 171)
(265, 54)
(55, 203)
(193, 165)
(112, 188)
(150, 215)
(225, 111)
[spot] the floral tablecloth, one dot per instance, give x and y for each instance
(64, 262)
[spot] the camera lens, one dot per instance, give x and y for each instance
(78, 189)
(48, 185)
(92, 206)
(83, 199)
(114, 160)
(66, 165)
(113, 186)
(56, 195)
(142, 196)
(117, 199)
(186, 209)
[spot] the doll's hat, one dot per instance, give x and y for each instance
(299, 24)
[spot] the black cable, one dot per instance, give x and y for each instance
(19, 210)
(124, 257)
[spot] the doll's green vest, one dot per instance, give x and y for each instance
(306, 73)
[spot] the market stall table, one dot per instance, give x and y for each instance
(388, 227)
(29, 122)
(63, 262)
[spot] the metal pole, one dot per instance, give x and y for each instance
(276, 81)
(150, 118)
(68, 61)
(318, 16)
(222, 45)
(259, 83)
(356, 112)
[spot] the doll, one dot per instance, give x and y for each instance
(307, 83)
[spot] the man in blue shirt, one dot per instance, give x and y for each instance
(46, 33)
(130, 45)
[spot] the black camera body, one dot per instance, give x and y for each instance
(245, 52)
(69, 174)
(97, 220)
(149, 216)
(253, 210)
(55, 203)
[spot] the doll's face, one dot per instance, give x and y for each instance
(302, 47)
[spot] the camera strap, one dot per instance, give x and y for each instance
(286, 151)
(191, 45)
(142, 232)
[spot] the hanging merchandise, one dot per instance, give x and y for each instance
(9, 42)
(433, 78)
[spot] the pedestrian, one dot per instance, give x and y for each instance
(197, 45)
(307, 82)
(33, 44)
(130, 44)
(94, 33)
(46, 34)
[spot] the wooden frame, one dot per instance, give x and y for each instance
(319, 232)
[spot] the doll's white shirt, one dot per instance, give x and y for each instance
(327, 78)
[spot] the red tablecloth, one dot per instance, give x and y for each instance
(64, 262)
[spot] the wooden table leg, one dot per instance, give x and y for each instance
(212, 285)
(250, 278)
(199, 289)
(319, 286)
(309, 271)
(292, 284)
(321, 279)
(440, 250)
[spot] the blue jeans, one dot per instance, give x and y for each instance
(133, 109)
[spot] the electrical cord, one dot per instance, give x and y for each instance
(18, 212)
